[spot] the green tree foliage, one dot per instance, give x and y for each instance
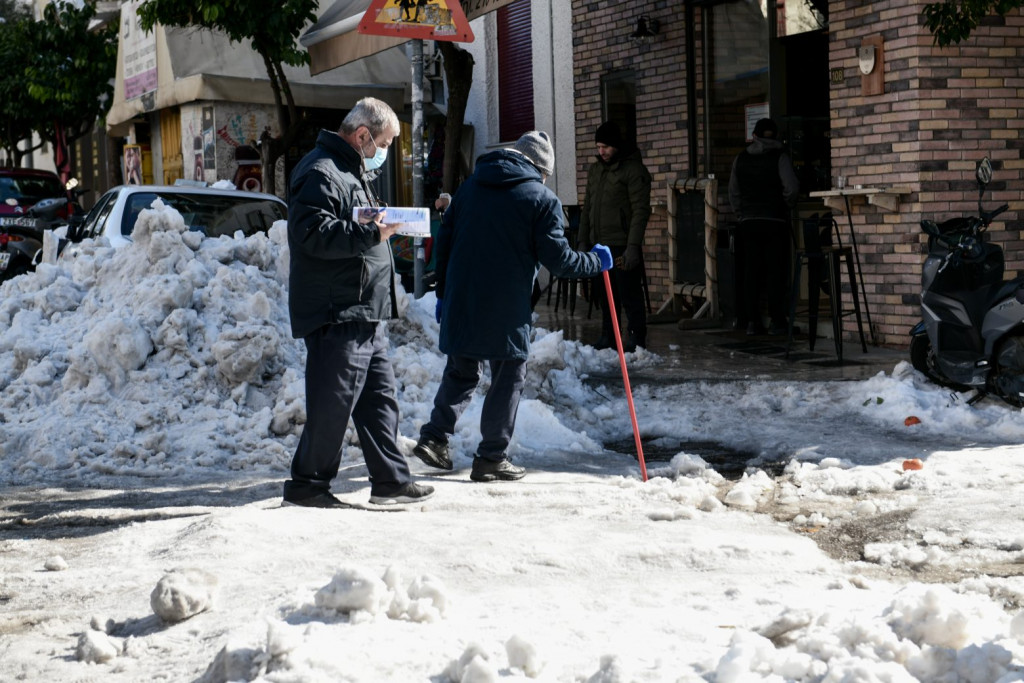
(952, 21)
(57, 75)
(273, 30)
(17, 119)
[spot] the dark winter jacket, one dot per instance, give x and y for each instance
(501, 223)
(340, 270)
(763, 184)
(617, 202)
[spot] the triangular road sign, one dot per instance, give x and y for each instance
(424, 19)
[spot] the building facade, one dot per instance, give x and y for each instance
(859, 89)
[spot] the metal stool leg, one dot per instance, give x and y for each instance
(815, 262)
(794, 294)
(836, 302)
(856, 301)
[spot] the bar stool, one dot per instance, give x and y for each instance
(824, 269)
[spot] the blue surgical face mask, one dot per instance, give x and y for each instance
(378, 158)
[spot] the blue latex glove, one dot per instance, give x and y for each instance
(437, 311)
(605, 254)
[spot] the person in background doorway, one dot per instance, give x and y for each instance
(616, 206)
(340, 293)
(502, 224)
(763, 188)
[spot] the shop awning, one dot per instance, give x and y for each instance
(333, 41)
(198, 65)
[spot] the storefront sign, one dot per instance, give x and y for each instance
(478, 8)
(139, 53)
(434, 20)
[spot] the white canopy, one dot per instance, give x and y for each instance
(197, 64)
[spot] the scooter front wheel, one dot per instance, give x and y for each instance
(1007, 379)
(922, 357)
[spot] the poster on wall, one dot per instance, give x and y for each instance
(133, 165)
(138, 50)
(209, 156)
(753, 114)
(197, 151)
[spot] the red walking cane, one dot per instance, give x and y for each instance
(625, 375)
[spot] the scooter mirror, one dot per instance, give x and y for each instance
(984, 172)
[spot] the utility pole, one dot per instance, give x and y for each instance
(417, 159)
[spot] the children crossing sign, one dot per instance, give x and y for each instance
(423, 19)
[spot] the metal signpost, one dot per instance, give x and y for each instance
(419, 20)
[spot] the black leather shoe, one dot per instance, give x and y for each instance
(489, 470)
(433, 453)
(409, 493)
(310, 497)
(604, 342)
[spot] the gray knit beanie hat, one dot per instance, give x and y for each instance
(536, 145)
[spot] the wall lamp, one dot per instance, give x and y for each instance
(646, 29)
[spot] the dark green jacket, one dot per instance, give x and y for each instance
(617, 202)
(340, 270)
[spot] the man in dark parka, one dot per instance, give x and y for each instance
(616, 206)
(340, 293)
(502, 224)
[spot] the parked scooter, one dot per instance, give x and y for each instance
(21, 236)
(971, 336)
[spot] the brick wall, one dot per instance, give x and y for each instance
(940, 112)
(601, 45)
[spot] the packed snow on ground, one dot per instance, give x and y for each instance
(151, 400)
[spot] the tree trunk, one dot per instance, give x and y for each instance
(271, 150)
(458, 73)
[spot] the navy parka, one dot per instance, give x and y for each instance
(502, 223)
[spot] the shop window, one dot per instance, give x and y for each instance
(739, 78)
(618, 101)
(515, 70)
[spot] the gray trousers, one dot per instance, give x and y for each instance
(498, 416)
(349, 375)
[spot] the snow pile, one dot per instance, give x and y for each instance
(183, 593)
(170, 361)
(928, 633)
(361, 595)
(170, 354)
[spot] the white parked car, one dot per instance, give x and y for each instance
(212, 211)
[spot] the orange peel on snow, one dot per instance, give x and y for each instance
(912, 420)
(913, 464)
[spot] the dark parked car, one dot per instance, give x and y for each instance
(21, 188)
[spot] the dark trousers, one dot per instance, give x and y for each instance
(628, 291)
(498, 416)
(349, 375)
(765, 254)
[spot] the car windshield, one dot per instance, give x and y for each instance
(29, 190)
(213, 215)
